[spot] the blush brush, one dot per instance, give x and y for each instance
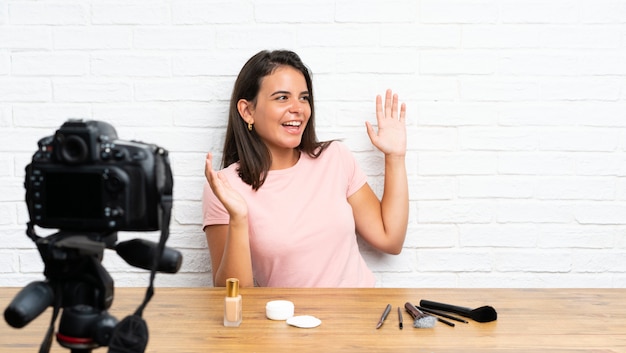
(420, 320)
(482, 314)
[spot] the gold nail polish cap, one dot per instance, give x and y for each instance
(232, 287)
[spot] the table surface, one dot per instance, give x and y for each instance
(529, 320)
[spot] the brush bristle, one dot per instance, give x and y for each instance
(425, 322)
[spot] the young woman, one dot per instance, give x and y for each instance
(286, 209)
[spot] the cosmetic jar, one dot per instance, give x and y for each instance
(279, 309)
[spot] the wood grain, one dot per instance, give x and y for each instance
(529, 320)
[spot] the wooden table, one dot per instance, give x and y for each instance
(529, 320)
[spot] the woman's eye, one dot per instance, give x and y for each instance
(305, 98)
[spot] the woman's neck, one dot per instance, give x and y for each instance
(284, 159)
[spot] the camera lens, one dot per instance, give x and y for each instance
(74, 149)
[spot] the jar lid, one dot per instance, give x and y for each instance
(279, 309)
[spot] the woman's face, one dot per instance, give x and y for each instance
(282, 109)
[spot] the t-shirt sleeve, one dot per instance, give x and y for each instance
(213, 212)
(355, 175)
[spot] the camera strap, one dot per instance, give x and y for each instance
(131, 334)
(48, 338)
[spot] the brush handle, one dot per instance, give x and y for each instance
(412, 310)
(441, 313)
(463, 311)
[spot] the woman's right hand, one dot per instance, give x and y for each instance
(233, 201)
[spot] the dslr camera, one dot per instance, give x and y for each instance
(83, 178)
(88, 184)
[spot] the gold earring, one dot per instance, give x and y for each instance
(249, 126)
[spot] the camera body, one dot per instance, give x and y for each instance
(84, 179)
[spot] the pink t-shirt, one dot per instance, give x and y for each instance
(301, 226)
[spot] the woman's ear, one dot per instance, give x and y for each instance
(246, 109)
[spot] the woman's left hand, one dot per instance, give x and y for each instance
(391, 136)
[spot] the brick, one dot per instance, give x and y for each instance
(576, 236)
(494, 187)
(47, 64)
(448, 62)
(25, 89)
(432, 188)
(189, 212)
(454, 261)
(499, 89)
(8, 262)
(377, 61)
(175, 89)
(189, 165)
(451, 212)
(130, 65)
(134, 115)
(498, 236)
(135, 13)
(45, 13)
(532, 163)
(533, 261)
(5, 64)
(372, 11)
(533, 211)
(605, 213)
(464, 163)
(603, 11)
(6, 116)
(458, 11)
(335, 35)
(220, 12)
(188, 188)
(590, 262)
(421, 36)
(199, 114)
(576, 139)
(601, 164)
(25, 37)
(173, 38)
(30, 261)
(422, 236)
(90, 90)
(498, 139)
(48, 115)
(284, 11)
(537, 11)
(455, 114)
(92, 37)
(214, 64)
(576, 188)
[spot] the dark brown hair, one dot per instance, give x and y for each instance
(246, 147)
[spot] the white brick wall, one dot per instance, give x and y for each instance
(517, 120)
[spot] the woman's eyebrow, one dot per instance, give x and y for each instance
(287, 92)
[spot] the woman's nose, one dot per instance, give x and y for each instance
(298, 107)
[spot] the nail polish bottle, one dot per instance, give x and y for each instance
(232, 304)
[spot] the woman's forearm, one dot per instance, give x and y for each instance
(236, 259)
(395, 201)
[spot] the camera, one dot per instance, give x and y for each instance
(89, 185)
(84, 178)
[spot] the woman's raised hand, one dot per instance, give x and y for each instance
(229, 197)
(391, 135)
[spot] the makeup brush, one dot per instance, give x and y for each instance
(482, 314)
(420, 320)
